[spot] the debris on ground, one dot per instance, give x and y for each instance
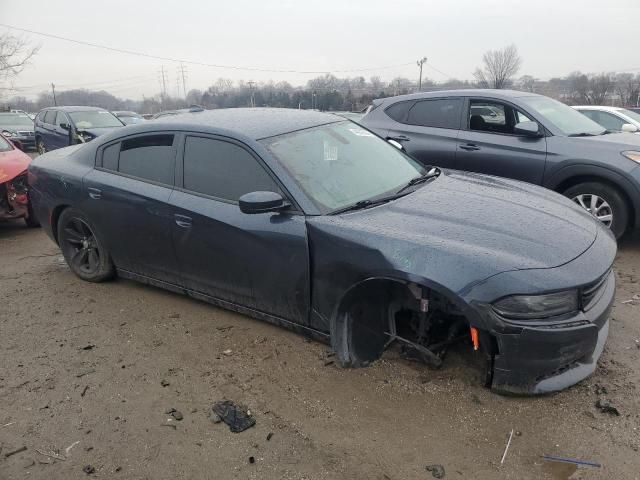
(601, 389)
(174, 315)
(506, 449)
(237, 417)
(269, 435)
(164, 383)
(88, 469)
(84, 391)
(606, 407)
(553, 458)
(86, 372)
(170, 425)
(13, 452)
(89, 347)
(252, 460)
(437, 470)
(228, 351)
(632, 300)
(51, 454)
(68, 449)
(176, 414)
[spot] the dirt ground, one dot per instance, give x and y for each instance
(82, 367)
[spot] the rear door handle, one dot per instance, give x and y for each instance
(470, 147)
(182, 221)
(400, 138)
(94, 193)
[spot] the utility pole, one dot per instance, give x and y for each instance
(53, 89)
(251, 86)
(420, 63)
(163, 79)
(184, 83)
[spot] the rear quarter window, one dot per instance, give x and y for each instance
(398, 111)
(50, 117)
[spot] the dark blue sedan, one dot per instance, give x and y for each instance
(312, 222)
(58, 127)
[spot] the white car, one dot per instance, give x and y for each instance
(615, 119)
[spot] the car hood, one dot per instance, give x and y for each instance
(12, 164)
(96, 132)
(621, 140)
(471, 223)
(15, 128)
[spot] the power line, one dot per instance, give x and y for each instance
(203, 64)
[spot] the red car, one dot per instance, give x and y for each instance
(14, 198)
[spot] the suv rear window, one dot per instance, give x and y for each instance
(398, 111)
(440, 113)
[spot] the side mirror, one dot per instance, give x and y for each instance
(527, 129)
(395, 143)
(262, 202)
(64, 126)
(627, 127)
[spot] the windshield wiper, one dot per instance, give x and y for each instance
(583, 134)
(434, 172)
(368, 203)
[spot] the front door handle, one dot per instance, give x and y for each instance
(182, 221)
(470, 147)
(399, 138)
(94, 193)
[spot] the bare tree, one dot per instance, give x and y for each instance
(590, 89)
(500, 66)
(527, 83)
(628, 88)
(15, 54)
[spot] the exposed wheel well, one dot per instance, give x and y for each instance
(379, 310)
(55, 215)
(572, 181)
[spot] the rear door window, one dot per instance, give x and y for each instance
(223, 169)
(439, 113)
(148, 157)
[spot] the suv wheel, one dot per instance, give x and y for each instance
(40, 147)
(603, 202)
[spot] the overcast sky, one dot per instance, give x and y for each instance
(554, 37)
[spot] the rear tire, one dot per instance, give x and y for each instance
(82, 249)
(604, 202)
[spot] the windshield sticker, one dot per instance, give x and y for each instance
(330, 152)
(360, 132)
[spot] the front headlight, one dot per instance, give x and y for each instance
(7, 133)
(523, 307)
(632, 155)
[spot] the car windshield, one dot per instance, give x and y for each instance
(340, 164)
(5, 146)
(129, 120)
(95, 119)
(631, 114)
(15, 119)
(568, 120)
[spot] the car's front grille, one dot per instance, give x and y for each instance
(591, 293)
(26, 133)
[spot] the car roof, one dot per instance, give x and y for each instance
(255, 123)
(74, 108)
(598, 107)
(470, 92)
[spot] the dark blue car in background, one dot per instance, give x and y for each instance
(58, 127)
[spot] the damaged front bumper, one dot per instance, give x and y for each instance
(552, 355)
(14, 200)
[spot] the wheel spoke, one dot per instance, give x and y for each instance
(73, 236)
(605, 218)
(79, 258)
(93, 259)
(580, 201)
(593, 205)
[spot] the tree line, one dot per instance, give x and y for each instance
(499, 69)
